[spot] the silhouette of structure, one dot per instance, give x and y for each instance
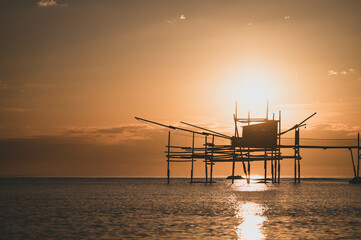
(260, 140)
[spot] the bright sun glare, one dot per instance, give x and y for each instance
(252, 88)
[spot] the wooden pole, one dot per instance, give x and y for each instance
(211, 176)
(192, 159)
(299, 170)
(272, 168)
(205, 158)
(353, 163)
(265, 167)
(235, 122)
(249, 172)
(272, 160)
(233, 165)
(358, 154)
(279, 149)
(168, 171)
(249, 164)
(298, 156)
(279, 170)
(275, 156)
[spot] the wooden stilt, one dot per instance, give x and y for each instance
(272, 160)
(358, 154)
(211, 175)
(192, 159)
(168, 171)
(249, 173)
(295, 177)
(297, 153)
(353, 163)
(206, 158)
(299, 170)
(275, 162)
(279, 170)
(279, 149)
(272, 169)
(265, 167)
(299, 157)
(249, 164)
(233, 166)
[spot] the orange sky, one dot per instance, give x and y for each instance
(75, 73)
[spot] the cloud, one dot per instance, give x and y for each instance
(131, 128)
(64, 156)
(332, 72)
(50, 3)
(110, 135)
(335, 130)
(336, 127)
(287, 18)
(250, 24)
(344, 73)
(18, 110)
(174, 20)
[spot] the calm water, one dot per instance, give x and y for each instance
(150, 209)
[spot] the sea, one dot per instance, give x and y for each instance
(149, 208)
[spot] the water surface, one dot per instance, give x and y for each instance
(93, 208)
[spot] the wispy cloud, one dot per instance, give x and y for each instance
(342, 72)
(332, 72)
(335, 129)
(111, 135)
(18, 110)
(182, 17)
(351, 70)
(50, 3)
(287, 18)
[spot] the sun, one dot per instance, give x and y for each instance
(251, 88)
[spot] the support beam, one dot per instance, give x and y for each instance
(265, 167)
(233, 166)
(249, 173)
(353, 163)
(279, 171)
(168, 171)
(279, 150)
(249, 164)
(205, 158)
(272, 168)
(358, 154)
(192, 159)
(297, 154)
(211, 175)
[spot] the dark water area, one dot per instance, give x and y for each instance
(115, 208)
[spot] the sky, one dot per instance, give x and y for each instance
(75, 73)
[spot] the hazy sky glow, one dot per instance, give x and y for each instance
(75, 73)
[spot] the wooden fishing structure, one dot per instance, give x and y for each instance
(259, 141)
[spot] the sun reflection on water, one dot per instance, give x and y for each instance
(251, 217)
(253, 187)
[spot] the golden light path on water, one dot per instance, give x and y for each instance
(250, 214)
